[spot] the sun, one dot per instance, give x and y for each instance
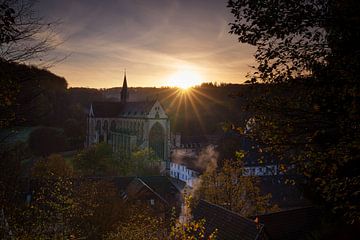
(185, 78)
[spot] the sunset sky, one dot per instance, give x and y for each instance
(154, 40)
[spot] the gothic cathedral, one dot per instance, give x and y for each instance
(128, 125)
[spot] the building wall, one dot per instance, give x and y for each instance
(182, 173)
(127, 133)
(267, 170)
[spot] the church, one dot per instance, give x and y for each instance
(129, 125)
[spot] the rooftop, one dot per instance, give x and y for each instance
(230, 225)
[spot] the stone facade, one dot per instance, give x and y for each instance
(129, 125)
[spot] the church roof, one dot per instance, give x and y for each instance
(120, 109)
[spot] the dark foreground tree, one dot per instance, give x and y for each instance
(24, 35)
(308, 112)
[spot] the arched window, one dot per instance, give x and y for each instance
(98, 126)
(157, 140)
(106, 126)
(112, 125)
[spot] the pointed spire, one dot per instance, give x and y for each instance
(124, 93)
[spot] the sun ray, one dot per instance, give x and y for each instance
(181, 95)
(197, 114)
(175, 92)
(208, 97)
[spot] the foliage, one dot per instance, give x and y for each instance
(44, 140)
(61, 205)
(98, 208)
(185, 227)
(52, 204)
(10, 171)
(228, 187)
(75, 132)
(312, 118)
(140, 224)
(31, 96)
(96, 160)
(290, 36)
(24, 35)
(141, 162)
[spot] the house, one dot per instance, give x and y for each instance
(186, 169)
(157, 192)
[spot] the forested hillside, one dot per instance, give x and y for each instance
(49, 102)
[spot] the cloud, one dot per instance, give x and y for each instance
(151, 39)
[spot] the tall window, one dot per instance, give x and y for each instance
(157, 140)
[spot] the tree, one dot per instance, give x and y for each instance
(51, 206)
(74, 131)
(145, 162)
(308, 114)
(59, 204)
(96, 160)
(44, 141)
(228, 187)
(98, 208)
(24, 35)
(138, 223)
(11, 168)
(24, 38)
(185, 227)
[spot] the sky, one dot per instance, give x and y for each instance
(154, 40)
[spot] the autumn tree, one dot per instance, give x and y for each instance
(228, 187)
(51, 205)
(138, 223)
(96, 160)
(307, 113)
(11, 168)
(186, 227)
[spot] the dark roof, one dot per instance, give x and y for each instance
(107, 109)
(284, 194)
(290, 224)
(137, 186)
(162, 186)
(230, 225)
(117, 109)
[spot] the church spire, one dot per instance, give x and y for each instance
(124, 91)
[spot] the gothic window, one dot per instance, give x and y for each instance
(142, 130)
(157, 140)
(112, 125)
(106, 126)
(157, 115)
(98, 126)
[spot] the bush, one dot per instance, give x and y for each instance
(45, 141)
